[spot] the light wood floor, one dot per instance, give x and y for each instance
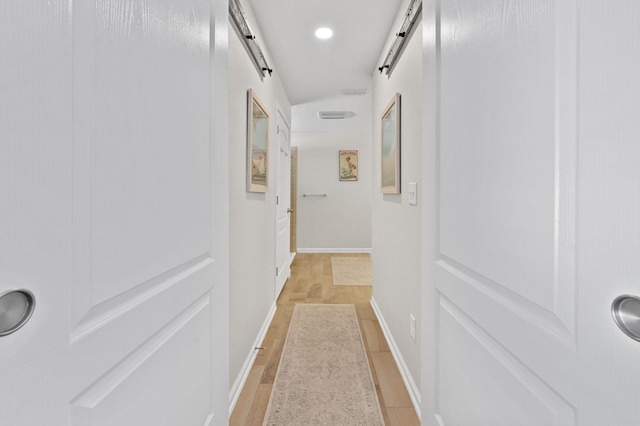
(312, 282)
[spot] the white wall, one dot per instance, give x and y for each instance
(396, 225)
(252, 215)
(342, 220)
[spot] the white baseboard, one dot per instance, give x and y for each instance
(234, 393)
(334, 250)
(414, 392)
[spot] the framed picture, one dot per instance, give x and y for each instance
(257, 144)
(348, 165)
(390, 148)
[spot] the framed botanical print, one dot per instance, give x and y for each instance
(257, 144)
(390, 148)
(348, 165)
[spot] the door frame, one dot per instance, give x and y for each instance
(293, 204)
(279, 279)
(219, 152)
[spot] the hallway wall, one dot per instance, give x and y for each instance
(251, 215)
(342, 220)
(396, 235)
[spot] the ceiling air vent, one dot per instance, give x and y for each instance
(354, 92)
(336, 115)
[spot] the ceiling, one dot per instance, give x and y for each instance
(311, 69)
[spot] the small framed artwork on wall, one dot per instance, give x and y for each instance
(257, 144)
(390, 148)
(348, 165)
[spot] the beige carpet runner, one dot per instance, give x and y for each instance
(323, 377)
(351, 270)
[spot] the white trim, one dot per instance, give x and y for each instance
(219, 201)
(234, 393)
(280, 280)
(410, 384)
(209, 420)
(284, 118)
(334, 250)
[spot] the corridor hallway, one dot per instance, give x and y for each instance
(311, 281)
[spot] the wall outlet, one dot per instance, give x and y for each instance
(413, 194)
(412, 327)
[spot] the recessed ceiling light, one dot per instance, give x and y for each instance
(324, 33)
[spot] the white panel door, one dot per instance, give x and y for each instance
(538, 204)
(283, 204)
(105, 212)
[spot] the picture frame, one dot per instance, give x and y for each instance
(348, 165)
(390, 147)
(257, 144)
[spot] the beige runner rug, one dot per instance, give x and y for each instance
(323, 377)
(351, 270)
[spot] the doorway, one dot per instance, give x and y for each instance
(283, 199)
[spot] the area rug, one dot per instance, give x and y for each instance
(323, 377)
(351, 270)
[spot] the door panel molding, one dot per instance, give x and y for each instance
(104, 347)
(103, 314)
(515, 304)
(555, 289)
(93, 404)
(466, 343)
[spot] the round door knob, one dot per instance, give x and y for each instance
(626, 313)
(16, 307)
(289, 211)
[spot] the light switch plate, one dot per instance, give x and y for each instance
(413, 193)
(412, 327)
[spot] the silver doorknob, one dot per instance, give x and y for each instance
(289, 211)
(626, 313)
(16, 307)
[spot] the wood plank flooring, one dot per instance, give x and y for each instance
(312, 282)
